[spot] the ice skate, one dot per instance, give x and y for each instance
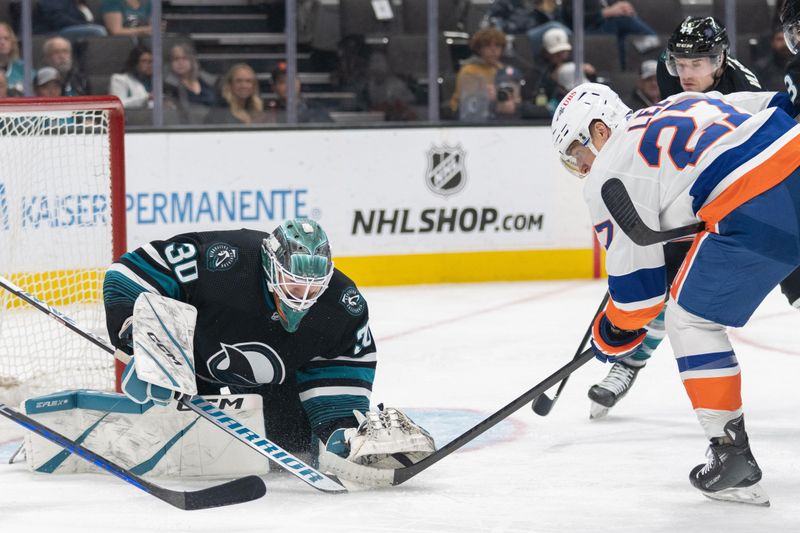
(614, 386)
(731, 473)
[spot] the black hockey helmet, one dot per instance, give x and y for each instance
(697, 37)
(790, 20)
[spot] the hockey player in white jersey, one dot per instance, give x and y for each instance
(731, 162)
(697, 58)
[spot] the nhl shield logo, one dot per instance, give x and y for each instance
(446, 172)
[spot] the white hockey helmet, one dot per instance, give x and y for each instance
(577, 110)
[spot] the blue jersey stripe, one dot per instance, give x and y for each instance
(772, 129)
(117, 287)
(639, 285)
(707, 361)
(168, 285)
(783, 101)
(336, 372)
(325, 409)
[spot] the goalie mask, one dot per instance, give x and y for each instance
(582, 105)
(297, 264)
(790, 21)
(697, 47)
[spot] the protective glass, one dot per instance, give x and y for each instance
(791, 34)
(297, 292)
(683, 66)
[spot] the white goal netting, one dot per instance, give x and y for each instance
(56, 241)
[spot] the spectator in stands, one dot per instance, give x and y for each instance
(351, 71)
(69, 18)
(307, 110)
(192, 89)
(387, 92)
(3, 85)
(531, 17)
(240, 93)
(477, 95)
(10, 63)
(127, 17)
(48, 83)
(554, 75)
(770, 69)
(646, 92)
(58, 54)
(617, 17)
(134, 86)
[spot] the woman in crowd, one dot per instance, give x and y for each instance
(10, 62)
(240, 93)
(134, 86)
(191, 89)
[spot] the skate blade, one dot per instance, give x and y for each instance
(597, 411)
(752, 495)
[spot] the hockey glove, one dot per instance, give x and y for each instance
(141, 391)
(126, 336)
(610, 344)
(382, 442)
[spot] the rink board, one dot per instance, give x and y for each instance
(417, 205)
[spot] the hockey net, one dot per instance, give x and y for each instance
(62, 222)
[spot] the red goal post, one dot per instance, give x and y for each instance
(62, 222)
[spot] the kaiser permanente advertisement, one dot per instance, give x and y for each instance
(410, 205)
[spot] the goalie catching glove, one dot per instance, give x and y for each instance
(383, 441)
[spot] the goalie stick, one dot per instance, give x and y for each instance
(239, 490)
(206, 410)
(621, 207)
(404, 474)
(543, 405)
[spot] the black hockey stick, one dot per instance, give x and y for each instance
(621, 207)
(404, 474)
(240, 490)
(543, 405)
(197, 404)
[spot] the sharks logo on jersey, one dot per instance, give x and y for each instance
(352, 300)
(221, 256)
(247, 364)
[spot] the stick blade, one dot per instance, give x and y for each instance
(542, 405)
(240, 490)
(621, 207)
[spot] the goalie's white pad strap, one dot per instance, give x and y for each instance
(163, 334)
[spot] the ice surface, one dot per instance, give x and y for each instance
(454, 354)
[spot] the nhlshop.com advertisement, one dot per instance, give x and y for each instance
(377, 192)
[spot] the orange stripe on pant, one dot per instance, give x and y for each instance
(681, 276)
(632, 319)
(761, 178)
(721, 393)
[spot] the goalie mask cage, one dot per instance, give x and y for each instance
(62, 222)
